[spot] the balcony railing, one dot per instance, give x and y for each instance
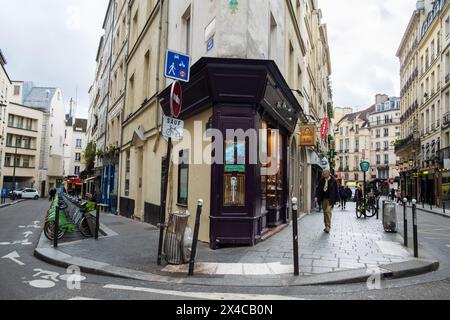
(446, 119)
(443, 154)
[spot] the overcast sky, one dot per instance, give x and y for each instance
(54, 43)
(364, 36)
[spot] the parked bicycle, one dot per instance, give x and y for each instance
(368, 207)
(79, 220)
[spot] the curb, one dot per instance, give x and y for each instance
(11, 203)
(409, 268)
(430, 211)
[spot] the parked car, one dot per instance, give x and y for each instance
(30, 194)
(15, 194)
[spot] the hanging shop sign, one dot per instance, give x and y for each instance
(324, 128)
(308, 136)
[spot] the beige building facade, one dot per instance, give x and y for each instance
(423, 147)
(353, 145)
(288, 32)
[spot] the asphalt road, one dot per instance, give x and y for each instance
(23, 277)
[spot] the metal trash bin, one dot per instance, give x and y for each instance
(174, 239)
(390, 217)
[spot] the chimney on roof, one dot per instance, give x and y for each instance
(381, 98)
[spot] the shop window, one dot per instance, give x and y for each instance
(272, 183)
(183, 178)
(127, 174)
(234, 179)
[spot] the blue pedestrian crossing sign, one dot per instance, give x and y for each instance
(177, 66)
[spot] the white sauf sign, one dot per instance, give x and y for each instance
(172, 128)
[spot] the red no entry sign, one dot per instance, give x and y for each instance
(176, 99)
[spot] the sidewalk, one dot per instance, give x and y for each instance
(347, 255)
(435, 210)
(10, 202)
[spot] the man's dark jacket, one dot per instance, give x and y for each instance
(332, 188)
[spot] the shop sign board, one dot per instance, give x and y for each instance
(307, 136)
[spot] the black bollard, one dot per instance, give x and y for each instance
(405, 223)
(97, 222)
(416, 243)
(378, 207)
(195, 238)
(443, 206)
(56, 228)
(295, 235)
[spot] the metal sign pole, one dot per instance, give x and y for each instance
(295, 234)
(162, 214)
(415, 236)
(405, 223)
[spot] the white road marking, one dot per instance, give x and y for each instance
(203, 295)
(42, 284)
(72, 277)
(448, 245)
(82, 298)
(5, 243)
(27, 234)
(13, 257)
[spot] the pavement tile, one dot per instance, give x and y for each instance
(325, 263)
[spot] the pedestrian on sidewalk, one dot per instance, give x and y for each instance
(359, 196)
(343, 196)
(349, 193)
(327, 194)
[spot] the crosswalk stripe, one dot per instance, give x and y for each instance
(203, 295)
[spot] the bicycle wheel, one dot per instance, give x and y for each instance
(48, 231)
(372, 211)
(359, 212)
(83, 226)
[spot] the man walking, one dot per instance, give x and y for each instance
(327, 195)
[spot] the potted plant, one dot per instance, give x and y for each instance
(99, 154)
(111, 150)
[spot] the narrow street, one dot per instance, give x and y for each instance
(25, 277)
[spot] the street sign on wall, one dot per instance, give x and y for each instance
(177, 66)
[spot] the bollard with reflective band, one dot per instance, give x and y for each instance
(295, 234)
(415, 236)
(405, 223)
(195, 238)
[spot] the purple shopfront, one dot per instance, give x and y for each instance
(247, 198)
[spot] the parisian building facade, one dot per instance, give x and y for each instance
(281, 45)
(369, 135)
(425, 67)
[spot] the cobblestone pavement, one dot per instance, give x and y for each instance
(353, 243)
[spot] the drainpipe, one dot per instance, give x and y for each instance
(123, 109)
(158, 75)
